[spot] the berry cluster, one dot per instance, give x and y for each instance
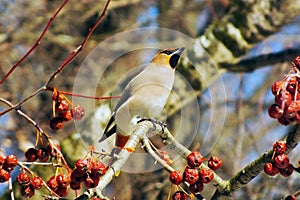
(59, 184)
(286, 108)
(280, 163)
(64, 113)
(42, 154)
(87, 171)
(29, 184)
(7, 164)
(193, 175)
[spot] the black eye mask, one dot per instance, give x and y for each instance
(174, 60)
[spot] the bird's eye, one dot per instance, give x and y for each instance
(168, 52)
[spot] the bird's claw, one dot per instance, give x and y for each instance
(154, 122)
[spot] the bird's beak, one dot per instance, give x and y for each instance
(179, 51)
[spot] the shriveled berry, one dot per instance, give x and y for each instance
(271, 169)
(206, 175)
(67, 116)
(56, 123)
(91, 182)
(195, 159)
(179, 195)
(282, 120)
(52, 183)
(4, 175)
(42, 154)
(84, 164)
(284, 98)
(190, 175)
(281, 161)
(61, 106)
(23, 178)
(279, 147)
(77, 112)
(27, 191)
(11, 162)
(287, 171)
(176, 177)
(62, 191)
(78, 175)
(37, 182)
(98, 168)
(292, 84)
(75, 185)
(214, 163)
(196, 187)
(63, 180)
(275, 111)
(51, 150)
(276, 87)
(31, 154)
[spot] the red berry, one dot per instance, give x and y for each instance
(78, 175)
(63, 180)
(276, 87)
(51, 151)
(52, 183)
(296, 62)
(31, 154)
(84, 164)
(281, 161)
(98, 168)
(284, 98)
(206, 175)
(11, 162)
(27, 191)
(179, 195)
(287, 171)
(77, 112)
(291, 87)
(195, 159)
(2, 161)
(196, 187)
(42, 154)
(290, 197)
(62, 106)
(190, 175)
(271, 169)
(282, 120)
(4, 175)
(275, 111)
(75, 185)
(23, 178)
(176, 177)
(214, 162)
(67, 116)
(36, 182)
(56, 123)
(91, 182)
(279, 147)
(62, 191)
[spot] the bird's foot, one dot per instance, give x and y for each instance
(155, 122)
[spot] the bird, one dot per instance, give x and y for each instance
(145, 96)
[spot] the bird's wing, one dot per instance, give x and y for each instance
(110, 129)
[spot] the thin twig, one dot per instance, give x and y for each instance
(10, 188)
(70, 58)
(38, 42)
